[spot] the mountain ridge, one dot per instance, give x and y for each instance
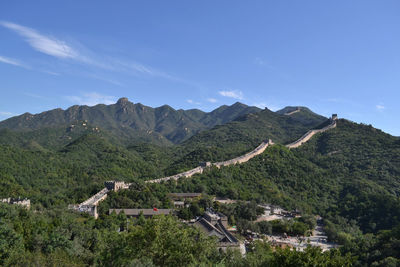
(126, 119)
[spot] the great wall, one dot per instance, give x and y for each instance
(90, 205)
(307, 136)
(292, 112)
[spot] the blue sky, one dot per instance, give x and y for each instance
(331, 56)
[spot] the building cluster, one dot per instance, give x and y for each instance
(278, 211)
(216, 224)
(180, 198)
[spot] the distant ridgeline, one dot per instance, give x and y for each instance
(90, 205)
(126, 121)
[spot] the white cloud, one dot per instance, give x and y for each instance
(6, 113)
(132, 67)
(45, 44)
(212, 100)
(380, 107)
(18, 63)
(91, 99)
(233, 94)
(190, 101)
(60, 49)
(12, 61)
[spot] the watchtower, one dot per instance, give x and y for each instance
(205, 164)
(115, 185)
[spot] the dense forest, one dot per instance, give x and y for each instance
(349, 175)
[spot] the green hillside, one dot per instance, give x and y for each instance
(127, 121)
(350, 175)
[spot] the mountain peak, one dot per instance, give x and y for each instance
(123, 101)
(237, 103)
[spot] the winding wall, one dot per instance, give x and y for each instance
(90, 205)
(258, 150)
(246, 157)
(292, 112)
(310, 134)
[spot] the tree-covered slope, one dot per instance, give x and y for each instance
(244, 134)
(128, 121)
(350, 174)
(70, 175)
(330, 174)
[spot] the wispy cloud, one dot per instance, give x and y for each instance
(60, 49)
(380, 107)
(18, 63)
(105, 79)
(91, 99)
(190, 101)
(12, 61)
(233, 94)
(36, 96)
(131, 67)
(212, 100)
(7, 114)
(51, 73)
(45, 44)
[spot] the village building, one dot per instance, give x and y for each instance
(216, 224)
(179, 204)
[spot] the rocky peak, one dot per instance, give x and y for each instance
(123, 101)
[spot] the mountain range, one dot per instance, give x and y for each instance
(350, 175)
(127, 123)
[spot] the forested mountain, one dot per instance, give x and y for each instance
(129, 121)
(244, 134)
(350, 175)
(89, 155)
